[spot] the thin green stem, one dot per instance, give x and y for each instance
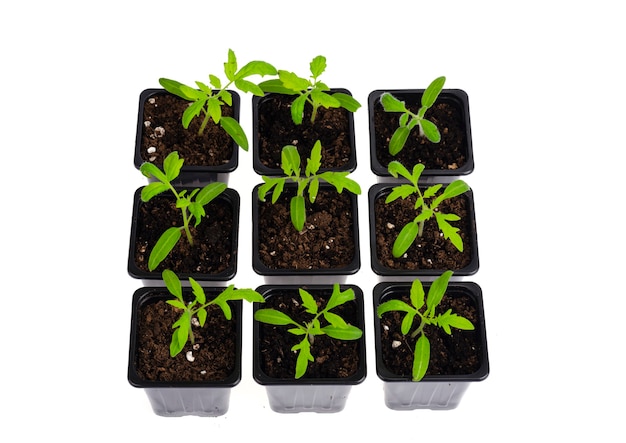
(186, 220)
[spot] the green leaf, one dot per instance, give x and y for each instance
(314, 186)
(173, 87)
(432, 92)
(290, 160)
(432, 190)
(315, 161)
(349, 332)
(202, 314)
(335, 320)
(454, 189)
(405, 239)
(304, 357)
(393, 305)
(324, 99)
(197, 291)
(347, 102)
(191, 112)
(273, 317)
(398, 139)
(436, 292)
(308, 301)
(173, 284)
(455, 321)
(248, 86)
(400, 191)
(234, 129)
(298, 212)
(256, 67)
(449, 231)
(214, 109)
(396, 168)
(297, 109)
(417, 294)
(339, 297)
(172, 165)
(210, 192)
(163, 246)
(407, 322)
(215, 81)
(152, 189)
(340, 181)
(278, 190)
(293, 82)
(391, 103)
(192, 94)
(275, 86)
(230, 67)
(318, 66)
(421, 358)
(176, 303)
(269, 183)
(249, 295)
(430, 131)
(151, 170)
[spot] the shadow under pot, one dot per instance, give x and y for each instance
(431, 253)
(160, 131)
(273, 128)
(456, 359)
(211, 257)
(452, 156)
(327, 246)
(198, 380)
(338, 364)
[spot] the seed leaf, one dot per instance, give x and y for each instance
(398, 139)
(273, 317)
(405, 239)
(298, 212)
(163, 246)
(172, 283)
(234, 129)
(432, 92)
(349, 332)
(391, 103)
(347, 102)
(421, 358)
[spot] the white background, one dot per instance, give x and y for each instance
(545, 83)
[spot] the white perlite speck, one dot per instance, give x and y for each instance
(151, 150)
(190, 356)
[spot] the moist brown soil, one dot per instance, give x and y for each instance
(276, 129)
(332, 358)
(213, 249)
(431, 250)
(164, 110)
(326, 242)
(449, 154)
(214, 350)
(455, 354)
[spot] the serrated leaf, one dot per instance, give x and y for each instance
(432, 190)
(214, 109)
(151, 170)
(173, 284)
(421, 358)
(398, 139)
(391, 103)
(308, 301)
(455, 321)
(347, 102)
(197, 290)
(432, 92)
(172, 165)
(297, 109)
(249, 295)
(290, 160)
(339, 297)
(153, 189)
(454, 189)
(318, 66)
(324, 99)
(292, 82)
(269, 183)
(424, 215)
(215, 81)
(192, 94)
(430, 130)
(340, 181)
(176, 303)
(191, 112)
(405, 239)
(248, 86)
(304, 357)
(315, 161)
(204, 88)
(234, 129)
(230, 67)
(278, 190)
(256, 67)
(400, 191)
(449, 232)
(396, 168)
(163, 246)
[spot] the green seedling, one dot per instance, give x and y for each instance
(409, 120)
(191, 205)
(336, 326)
(426, 205)
(447, 320)
(290, 164)
(197, 307)
(311, 91)
(209, 99)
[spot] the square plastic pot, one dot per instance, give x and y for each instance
(172, 136)
(229, 200)
(457, 155)
(308, 394)
(378, 193)
(181, 398)
(440, 391)
(300, 135)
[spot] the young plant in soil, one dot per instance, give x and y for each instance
(409, 120)
(191, 205)
(336, 326)
(196, 309)
(427, 316)
(290, 164)
(426, 205)
(311, 91)
(208, 100)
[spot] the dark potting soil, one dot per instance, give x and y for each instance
(212, 251)
(166, 133)
(276, 129)
(431, 250)
(449, 154)
(455, 354)
(213, 351)
(333, 358)
(327, 240)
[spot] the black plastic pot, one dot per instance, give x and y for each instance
(175, 136)
(227, 205)
(207, 398)
(416, 262)
(308, 394)
(457, 157)
(325, 248)
(434, 391)
(300, 135)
